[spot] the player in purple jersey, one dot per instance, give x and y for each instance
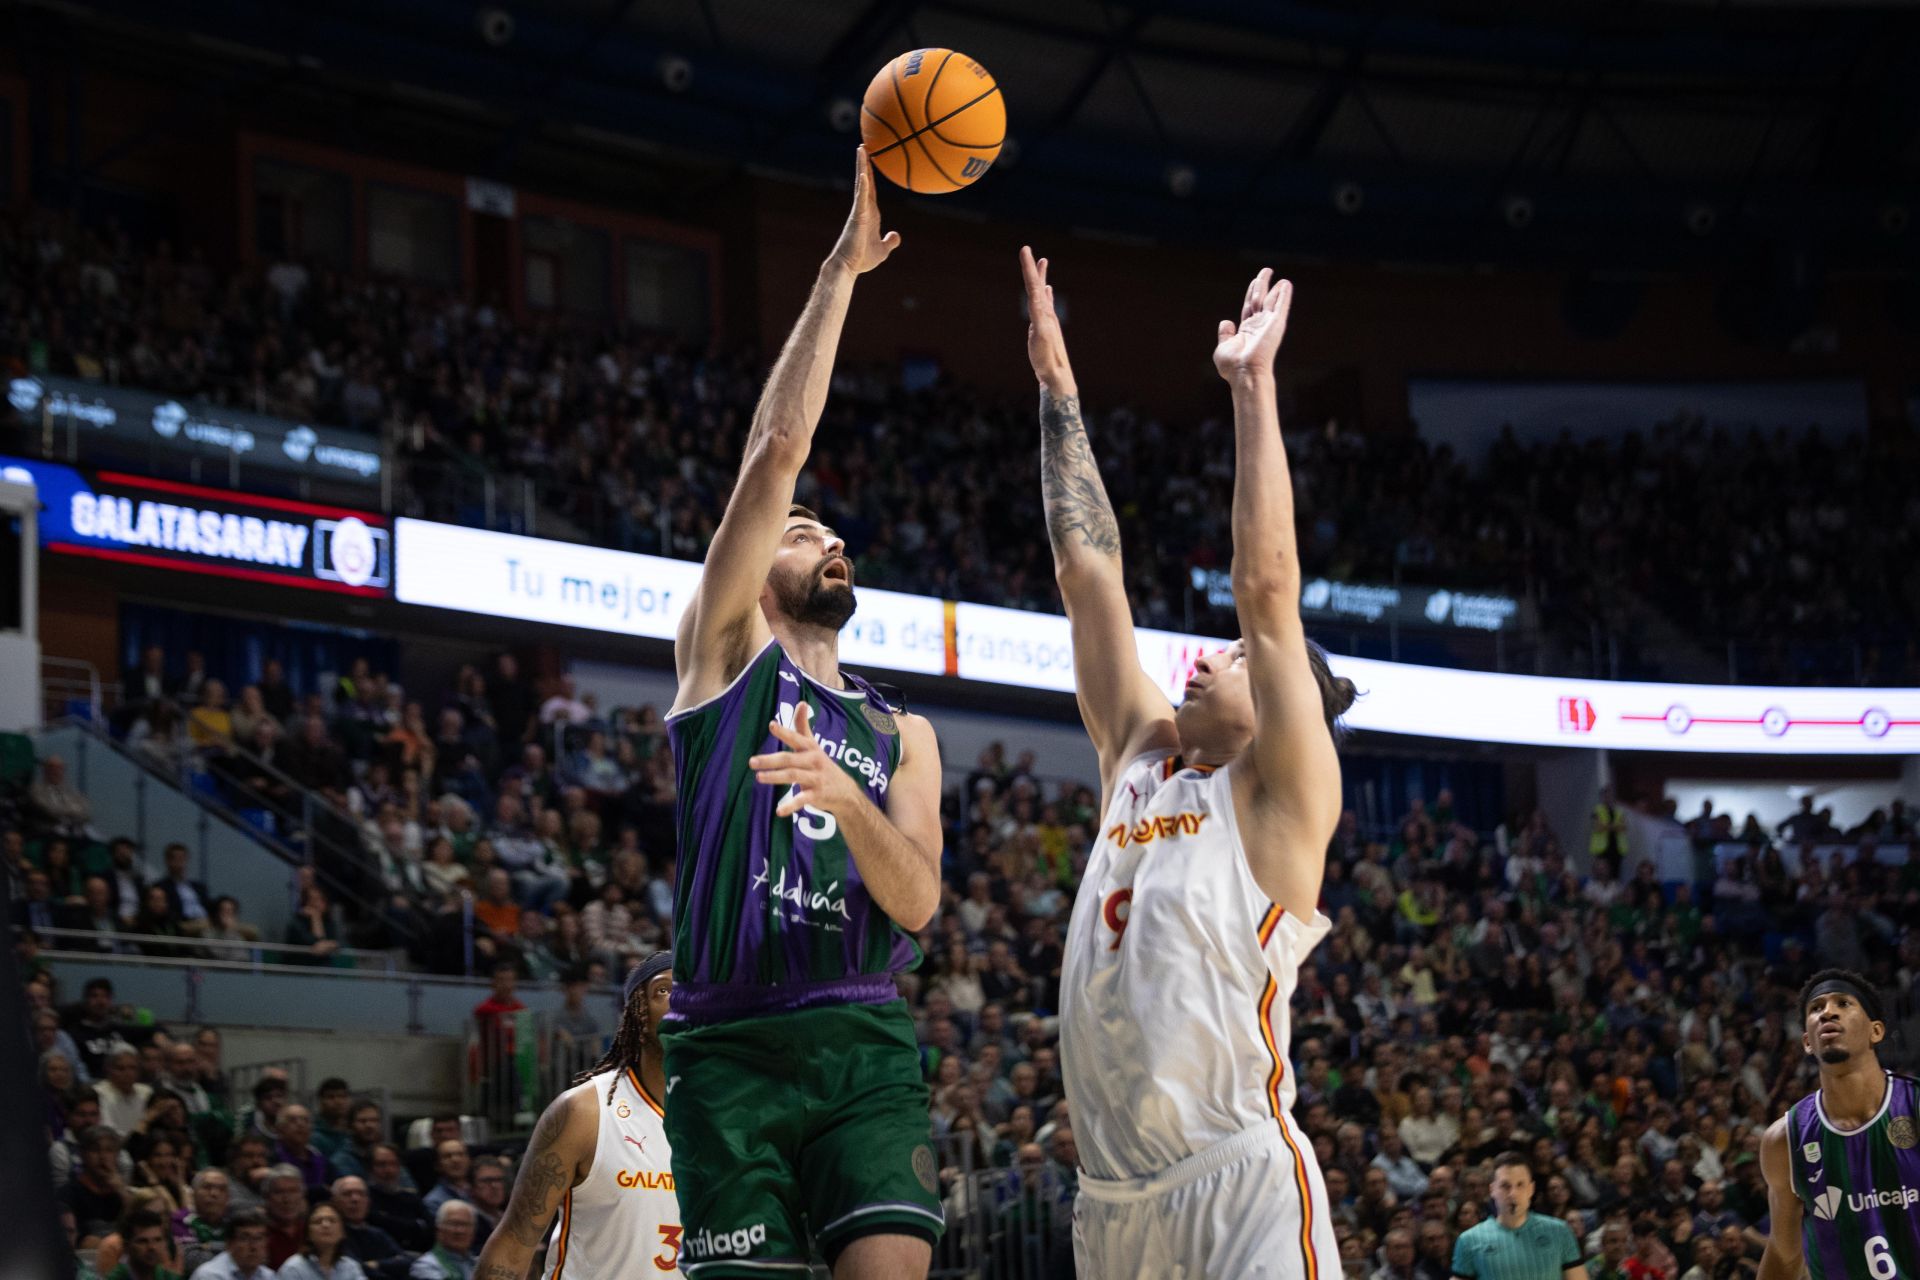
(1843, 1167)
(809, 833)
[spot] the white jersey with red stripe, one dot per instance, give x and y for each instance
(1176, 979)
(624, 1218)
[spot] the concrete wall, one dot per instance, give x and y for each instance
(420, 1073)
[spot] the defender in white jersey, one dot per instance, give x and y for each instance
(599, 1162)
(1198, 905)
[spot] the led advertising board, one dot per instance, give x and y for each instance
(188, 528)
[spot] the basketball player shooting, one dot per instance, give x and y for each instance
(1843, 1167)
(809, 831)
(599, 1160)
(1198, 903)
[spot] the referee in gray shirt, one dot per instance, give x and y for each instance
(1516, 1244)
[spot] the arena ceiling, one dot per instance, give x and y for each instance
(1653, 132)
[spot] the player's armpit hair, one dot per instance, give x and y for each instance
(1074, 496)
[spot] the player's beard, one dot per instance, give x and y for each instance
(1835, 1055)
(813, 601)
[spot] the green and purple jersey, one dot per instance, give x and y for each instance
(1860, 1190)
(770, 914)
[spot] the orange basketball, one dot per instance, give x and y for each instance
(933, 120)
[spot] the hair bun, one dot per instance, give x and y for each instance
(1344, 693)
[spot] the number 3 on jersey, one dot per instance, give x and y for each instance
(1116, 908)
(670, 1241)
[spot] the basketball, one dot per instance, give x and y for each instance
(933, 121)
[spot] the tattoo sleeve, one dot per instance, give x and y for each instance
(544, 1179)
(1078, 512)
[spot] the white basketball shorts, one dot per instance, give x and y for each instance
(1253, 1205)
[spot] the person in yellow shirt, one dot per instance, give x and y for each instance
(211, 723)
(1608, 837)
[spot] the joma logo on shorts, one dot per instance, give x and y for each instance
(1150, 829)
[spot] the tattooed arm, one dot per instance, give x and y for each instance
(1124, 711)
(555, 1161)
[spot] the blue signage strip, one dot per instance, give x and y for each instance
(163, 524)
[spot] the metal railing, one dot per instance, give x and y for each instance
(421, 994)
(302, 828)
(68, 684)
(516, 1064)
(251, 953)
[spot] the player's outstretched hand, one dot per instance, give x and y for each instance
(862, 246)
(814, 780)
(1250, 346)
(1046, 345)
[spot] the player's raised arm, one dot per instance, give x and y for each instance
(722, 628)
(1290, 776)
(1124, 711)
(558, 1156)
(1782, 1259)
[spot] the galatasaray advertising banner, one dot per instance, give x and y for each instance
(188, 528)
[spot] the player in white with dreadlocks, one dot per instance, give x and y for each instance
(599, 1161)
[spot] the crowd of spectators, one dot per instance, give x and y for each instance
(635, 441)
(506, 819)
(162, 1169)
(1479, 991)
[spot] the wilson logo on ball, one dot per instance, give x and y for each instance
(933, 121)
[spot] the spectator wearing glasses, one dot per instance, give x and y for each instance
(201, 1229)
(325, 1256)
(490, 1188)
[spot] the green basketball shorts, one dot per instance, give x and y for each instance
(798, 1129)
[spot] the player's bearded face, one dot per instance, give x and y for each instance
(820, 595)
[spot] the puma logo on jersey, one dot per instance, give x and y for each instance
(1159, 828)
(638, 1142)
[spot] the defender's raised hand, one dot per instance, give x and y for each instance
(1250, 346)
(1046, 345)
(862, 246)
